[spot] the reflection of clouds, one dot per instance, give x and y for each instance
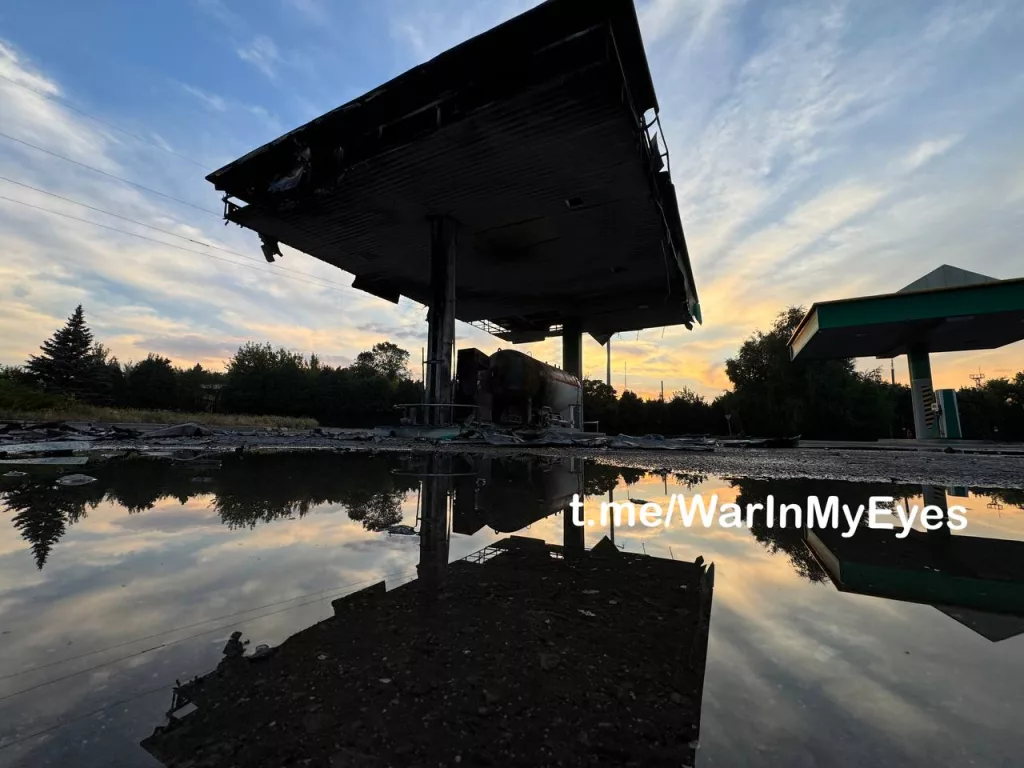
(177, 568)
(805, 671)
(812, 676)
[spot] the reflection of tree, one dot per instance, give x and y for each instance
(265, 487)
(631, 476)
(378, 512)
(789, 538)
(42, 513)
(246, 490)
(598, 479)
(1013, 497)
(689, 479)
(138, 484)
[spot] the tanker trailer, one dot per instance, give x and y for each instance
(527, 392)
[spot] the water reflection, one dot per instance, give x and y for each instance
(977, 581)
(523, 652)
(244, 490)
(845, 665)
(789, 539)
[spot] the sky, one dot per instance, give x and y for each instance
(820, 150)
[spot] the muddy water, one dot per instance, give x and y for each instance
(866, 650)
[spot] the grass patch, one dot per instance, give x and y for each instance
(82, 412)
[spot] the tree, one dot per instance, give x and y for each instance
(385, 359)
(688, 412)
(993, 410)
(773, 395)
(600, 404)
(261, 380)
(70, 364)
(153, 383)
(631, 414)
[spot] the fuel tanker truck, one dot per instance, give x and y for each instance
(512, 389)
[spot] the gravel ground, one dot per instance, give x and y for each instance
(867, 465)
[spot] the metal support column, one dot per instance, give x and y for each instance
(440, 320)
(572, 359)
(926, 417)
(434, 540)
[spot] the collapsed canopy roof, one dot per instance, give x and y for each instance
(533, 138)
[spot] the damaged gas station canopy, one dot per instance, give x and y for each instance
(539, 139)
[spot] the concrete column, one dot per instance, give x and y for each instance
(573, 536)
(926, 419)
(608, 371)
(572, 358)
(441, 319)
(433, 565)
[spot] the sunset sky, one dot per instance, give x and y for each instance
(820, 150)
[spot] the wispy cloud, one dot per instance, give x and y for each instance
(210, 100)
(927, 151)
(141, 296)
(427, 30)
(261, 53)
(314, 11)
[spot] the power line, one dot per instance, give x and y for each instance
(172, 245)
(196, 624)
(53, 680)
(207, 211)
(69, 721)
(157, 229)
(137, 137)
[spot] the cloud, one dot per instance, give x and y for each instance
(222, 106)
(211, 100)
(427, 30)
(141, 296)
(261, 53)
(312, 10)
(689, 20)
(416, 332)
(927, 151)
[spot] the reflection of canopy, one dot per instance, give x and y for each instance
(945, 311)
(533, 137)
(510, 494)
(519, 639)
(966, 577)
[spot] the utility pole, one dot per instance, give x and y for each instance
(892, 371)
(608, 372)
(662, 391)
(977, 378)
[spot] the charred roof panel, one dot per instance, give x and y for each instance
(532, 137)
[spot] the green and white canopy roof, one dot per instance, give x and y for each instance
(947, 310)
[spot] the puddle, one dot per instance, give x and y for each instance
(822, 650)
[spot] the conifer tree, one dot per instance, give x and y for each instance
(68, 363)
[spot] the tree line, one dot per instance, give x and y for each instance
(258, 380)
(770, 395)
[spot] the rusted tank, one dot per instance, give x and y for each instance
(527, 391)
